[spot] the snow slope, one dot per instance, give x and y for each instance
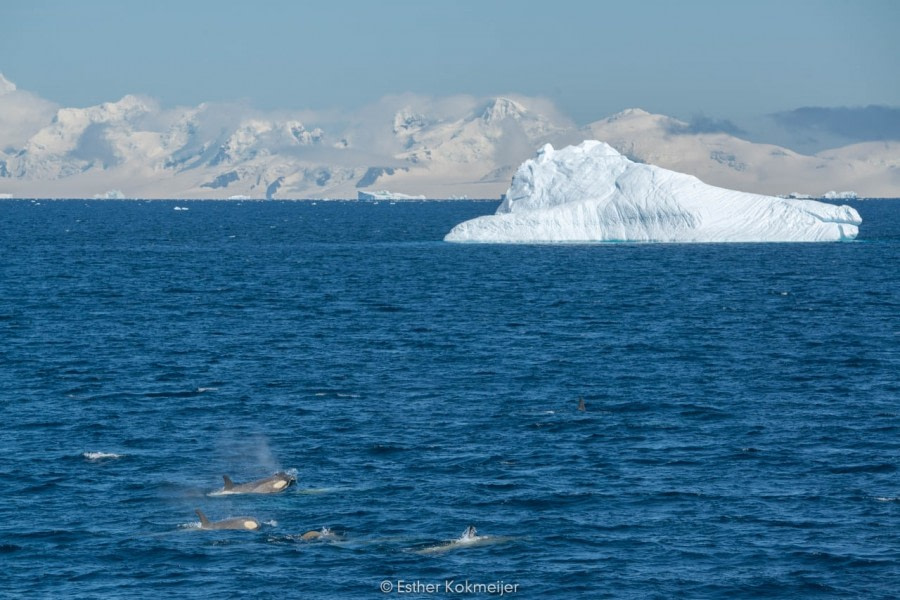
(872, 169)
(413, 145)
(592, 193)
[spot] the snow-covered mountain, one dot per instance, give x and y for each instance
(441, 148)
(474, 154)
(871, 169)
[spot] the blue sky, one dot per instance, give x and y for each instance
(723, 59)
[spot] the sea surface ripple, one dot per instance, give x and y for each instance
(741, 436)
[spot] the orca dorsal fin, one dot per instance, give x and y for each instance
(228, 482)
(203, 520)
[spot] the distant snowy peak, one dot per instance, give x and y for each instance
(259, 137)
(301, 136)
(407, 121)
(127, 108)
(492, 137)
(503, 108)
(254, 137)
(503, 116)
(633, 121)
(80, 139)
(69, 124)
(724, 159)
(626, 115)
(243, 144)
(442, 147)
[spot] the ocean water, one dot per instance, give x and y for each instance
(741, 436)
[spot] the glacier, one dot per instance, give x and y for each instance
(592, 193)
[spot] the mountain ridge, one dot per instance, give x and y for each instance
(134, 148)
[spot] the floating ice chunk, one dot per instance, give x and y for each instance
(385, 195)
(110, 195)
(95, 456)
(833, 195)
(591, 193)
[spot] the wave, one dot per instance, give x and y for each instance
(335, 394)
(864, 468)
(97, 456)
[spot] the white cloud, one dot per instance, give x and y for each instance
(22, 114)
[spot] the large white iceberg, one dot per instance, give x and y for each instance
(591, 193)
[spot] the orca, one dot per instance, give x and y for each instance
(322, 534)
(269, 485)
(469, 537)
(241, 523)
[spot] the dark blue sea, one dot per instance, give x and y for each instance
(741, 437)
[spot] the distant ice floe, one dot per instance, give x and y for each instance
(798, 196)
(96, 456)
(110, 195)
(832, 195)
(591, 193)
(385, 195)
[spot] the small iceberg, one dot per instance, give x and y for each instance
(591, 193)
(110, 195)
(797, 196)
(385, 195)
(833, 195)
